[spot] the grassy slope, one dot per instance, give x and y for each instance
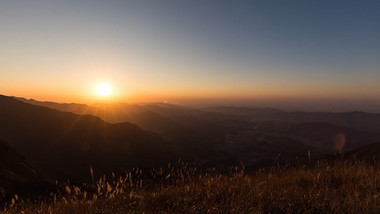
(341, 187)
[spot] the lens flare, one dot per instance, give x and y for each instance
(339, 141)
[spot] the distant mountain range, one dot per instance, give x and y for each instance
(44, 141)
(318, 129)
(65, 139)
(122, 112)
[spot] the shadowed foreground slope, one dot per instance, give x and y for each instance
(17, 175)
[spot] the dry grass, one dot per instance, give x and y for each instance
(341, 187)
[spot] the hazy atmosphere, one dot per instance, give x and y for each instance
(189, 106)
(286, 54)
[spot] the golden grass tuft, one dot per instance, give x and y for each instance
(340, 187)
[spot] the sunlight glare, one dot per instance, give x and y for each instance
(103, 89)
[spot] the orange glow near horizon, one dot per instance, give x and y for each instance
(101, 92)
(111, 88)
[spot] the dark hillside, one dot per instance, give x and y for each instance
(66, 144)
(16, 174)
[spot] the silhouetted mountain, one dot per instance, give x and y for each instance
(176, 123)
(122, 112)
(65, 144)
(67, 107)
(224, 134)
(149, 116)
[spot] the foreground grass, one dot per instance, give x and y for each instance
(341, 187)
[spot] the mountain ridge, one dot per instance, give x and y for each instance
(46, 136)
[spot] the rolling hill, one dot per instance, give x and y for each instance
(223, 135)
(65, 144)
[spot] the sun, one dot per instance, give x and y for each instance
(103, 89)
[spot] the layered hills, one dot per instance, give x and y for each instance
(44, 141)
(75, 136)
(66, 144)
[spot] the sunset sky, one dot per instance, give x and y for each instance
(177, 51)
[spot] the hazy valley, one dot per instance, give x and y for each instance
(75, 136)
(47, 144)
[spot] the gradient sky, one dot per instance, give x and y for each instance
(245, 51)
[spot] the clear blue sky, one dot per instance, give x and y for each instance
(278, 51)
